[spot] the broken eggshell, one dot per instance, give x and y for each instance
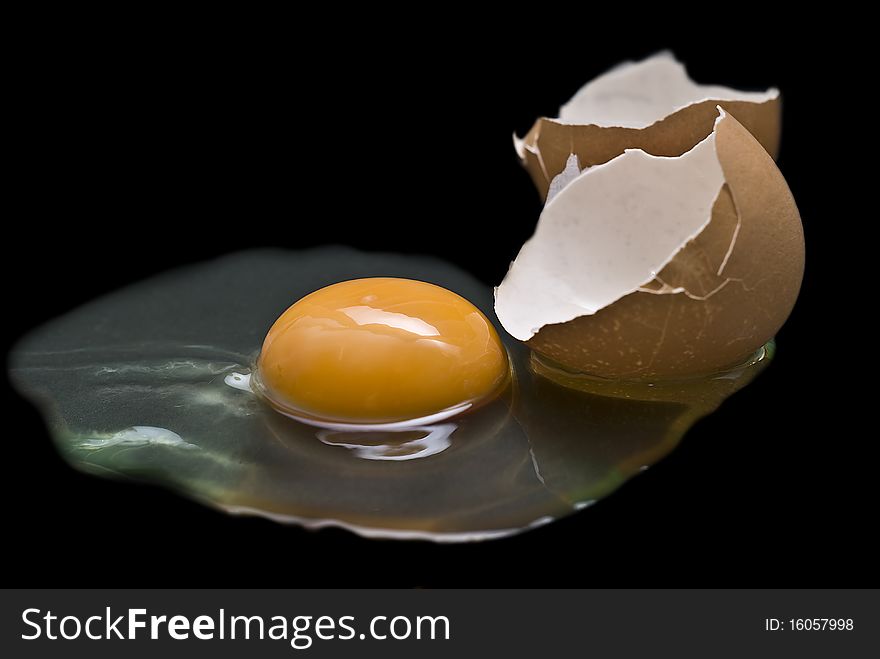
(650, 105)
(648, 266)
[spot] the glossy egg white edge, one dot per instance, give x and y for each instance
(608, 231)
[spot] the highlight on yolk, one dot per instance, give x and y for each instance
(380, 350)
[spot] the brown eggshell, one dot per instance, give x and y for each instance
(549, 143)
(722, 319)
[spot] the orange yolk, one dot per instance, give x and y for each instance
(383, 350)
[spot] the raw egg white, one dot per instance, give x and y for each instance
(170, 404)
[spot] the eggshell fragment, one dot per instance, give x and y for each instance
(650, 105)
(723, 288)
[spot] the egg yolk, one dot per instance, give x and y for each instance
(380, 350)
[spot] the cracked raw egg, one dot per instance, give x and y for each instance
(379, 351)
(669, 248)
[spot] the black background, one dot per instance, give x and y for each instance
(147, 149)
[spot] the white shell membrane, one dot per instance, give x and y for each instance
(638, 94)
(606, 233)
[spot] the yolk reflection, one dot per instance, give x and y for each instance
(380, 350)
